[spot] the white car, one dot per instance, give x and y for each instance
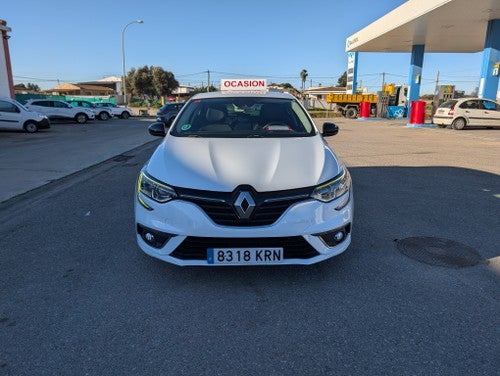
(243, 178)
(60, 110)
(14, 116)
(121, 112)
(101, 113)
(467, 111)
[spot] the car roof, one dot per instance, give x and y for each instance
(472, 99)
(243, 94)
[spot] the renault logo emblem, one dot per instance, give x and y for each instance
(244, 205)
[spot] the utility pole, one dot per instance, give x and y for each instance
(383, 80)
(437, 81)
(208, 84)
(435, 102)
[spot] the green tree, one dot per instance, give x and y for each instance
(164, 82)
(143, 81)
(203, 89)
(151, 81)
(342, 81)
(33, 87)
(129, 79)
(287, 85)
(303, 77)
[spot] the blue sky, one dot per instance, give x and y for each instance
(72, 41)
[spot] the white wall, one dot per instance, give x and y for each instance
(4, 81)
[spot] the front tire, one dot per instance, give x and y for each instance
(351, 113)
(104, 116)
(81, 118)
(125, 115)
(459, 124)
(31, 127)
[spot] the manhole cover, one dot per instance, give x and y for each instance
(438, 252)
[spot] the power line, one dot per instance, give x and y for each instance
(36, 78)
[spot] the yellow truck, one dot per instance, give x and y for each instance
(349, 104)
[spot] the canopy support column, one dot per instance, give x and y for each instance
(415, 76)
(488, 83)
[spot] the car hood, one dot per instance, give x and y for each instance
(222, 164)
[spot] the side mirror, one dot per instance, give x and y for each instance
(169, 123)
(329, 129)
(157, 129)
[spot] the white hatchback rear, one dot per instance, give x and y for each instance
(460, 113)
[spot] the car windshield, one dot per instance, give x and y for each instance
(20, 105)
(243, 117)
(448, 104)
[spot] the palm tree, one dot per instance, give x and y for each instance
(303, 77)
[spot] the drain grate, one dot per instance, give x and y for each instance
(438, 252)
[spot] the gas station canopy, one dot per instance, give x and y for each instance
(440, 25)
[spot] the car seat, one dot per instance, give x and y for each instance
(215, 120)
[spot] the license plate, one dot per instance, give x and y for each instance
(242, 256)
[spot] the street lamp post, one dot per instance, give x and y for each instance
(124, 86)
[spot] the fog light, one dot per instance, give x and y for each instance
(154, 238)
(338, 236)
(334, 237)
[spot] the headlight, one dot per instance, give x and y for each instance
(334, 188)
(153, 189)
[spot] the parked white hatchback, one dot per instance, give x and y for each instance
(121, 112)
(60, 110)
(460, 113)
(243, 177)
(14, 116)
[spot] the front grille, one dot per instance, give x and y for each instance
(195, 248)
(269, 206)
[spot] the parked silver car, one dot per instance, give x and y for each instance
(121, 112)
(56, 109)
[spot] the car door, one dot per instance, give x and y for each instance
(473, 110)
(44, 107)
(491, 112)
(10, 116)
(63, 110)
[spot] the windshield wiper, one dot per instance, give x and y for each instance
(254, 135)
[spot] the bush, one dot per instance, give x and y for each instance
(137, 102)
(324, 113)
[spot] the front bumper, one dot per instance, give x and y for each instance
(304, 232)
(44, 124)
